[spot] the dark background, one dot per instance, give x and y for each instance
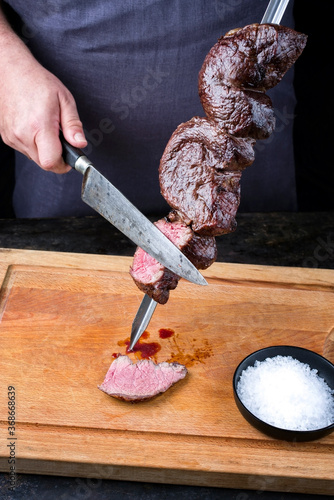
(315, 105)
(6, 180)
(312, 132)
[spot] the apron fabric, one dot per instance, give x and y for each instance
(132, 67)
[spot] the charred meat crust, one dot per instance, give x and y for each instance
(255, 57)
(243, 113)
(237, 71)
(200, 174)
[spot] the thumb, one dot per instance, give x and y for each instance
(70, 121)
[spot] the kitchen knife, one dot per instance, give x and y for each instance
(103, 197)
(273, 14)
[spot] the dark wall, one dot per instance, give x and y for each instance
(6, 180)
(313, 135)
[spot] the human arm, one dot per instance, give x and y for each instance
(34, 104)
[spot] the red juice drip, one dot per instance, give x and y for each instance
(145, 349)
(165, 333)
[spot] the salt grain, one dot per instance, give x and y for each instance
(286, 393)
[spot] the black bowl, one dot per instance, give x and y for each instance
(314, 360)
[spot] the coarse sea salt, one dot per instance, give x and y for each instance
(286, 393)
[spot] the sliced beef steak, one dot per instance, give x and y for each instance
(156, 280)
(254, 57)
(200, 250)
(200, 172)
(142, 380)
(151, 277)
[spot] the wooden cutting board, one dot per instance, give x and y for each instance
(63, 316)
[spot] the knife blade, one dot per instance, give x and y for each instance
(109, 202)
(142, 319)
(273, 14)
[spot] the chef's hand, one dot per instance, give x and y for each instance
(33, 105)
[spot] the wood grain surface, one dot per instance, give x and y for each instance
(63, 316)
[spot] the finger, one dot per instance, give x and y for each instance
(70, 121)
(29, 148)
(49, 151)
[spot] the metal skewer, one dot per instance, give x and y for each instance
(274, 11)
(273, 14)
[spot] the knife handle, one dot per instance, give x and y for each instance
(74, 156)
(70, 153)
